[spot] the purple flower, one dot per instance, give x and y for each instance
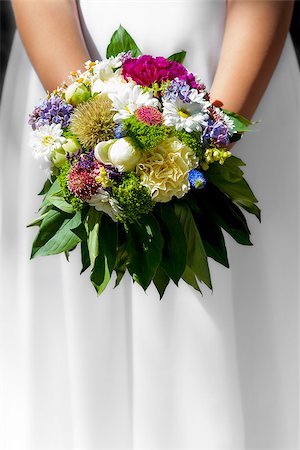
(178, 88)
(52, 110)
(216, 133)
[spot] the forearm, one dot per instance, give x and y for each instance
(52, 36)
(254, 36)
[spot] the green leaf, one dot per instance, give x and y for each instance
(229, 179)
(100, 275)
(241, 123)
(63, 240)
(121, 41)
(109, 240)
(212, 238)
(85, 257)
(196, 256)
(54, 189)
(46, 187)
(189, 277)
(60, 203)
(121, 263)
(161, 281)
(179, 57)
(144, 247)
(37, 221)
(48, 228)
(223, 212)
(92, 225)
(174, 250)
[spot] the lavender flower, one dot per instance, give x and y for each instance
(52, 110)
(216, 133)
(178, 89)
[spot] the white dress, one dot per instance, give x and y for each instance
(126, 371)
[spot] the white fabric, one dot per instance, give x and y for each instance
(127, 371)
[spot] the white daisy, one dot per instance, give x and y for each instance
(128, 99)
(102, 201)
(190, 116)
(227, 120)
(44, 140)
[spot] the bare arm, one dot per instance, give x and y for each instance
(52, 36)
(254, 35)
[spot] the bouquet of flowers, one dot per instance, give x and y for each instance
(138, 170)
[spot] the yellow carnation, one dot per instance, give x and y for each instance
(164, 169)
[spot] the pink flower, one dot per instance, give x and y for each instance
(149, 115)
(146, 70)
(81, 179)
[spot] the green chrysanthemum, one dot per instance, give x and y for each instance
(133, 198)
(144, 136)
(63, 181)
(92, 121)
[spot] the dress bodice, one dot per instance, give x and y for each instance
(160, 28)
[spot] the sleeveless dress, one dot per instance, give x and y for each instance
(125, 370)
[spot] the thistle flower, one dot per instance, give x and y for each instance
(92, 121)
(82, 177)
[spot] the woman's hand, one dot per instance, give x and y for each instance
(52, 36)
(255, 32)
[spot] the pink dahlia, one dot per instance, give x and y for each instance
(81, 180)
(146, 70)
(149, 115)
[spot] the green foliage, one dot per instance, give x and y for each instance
(179, 57)
(192, 140)
(55, 234)
(145, 136)
(134, 198)
(229, 179)
(219, 208)
(161, 281)
(121, 41)
(76, 203)
(174, 250)
(241, 123)
(144, 248)
(196, 256)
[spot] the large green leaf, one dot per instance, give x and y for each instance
(179, 57)
(189, 277)
(212, 238)
(49, 226)
(174, 250)
(107, 253)
(109, 240)
(63, 240)
(100, 275)
(60, 203)
(121, 263)
(144, 247)
(241, 123)
(92, 225)
(196, 256)
(85, 256)
(223, 212)
(229, 179)
(161, 281)
(121, 41)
